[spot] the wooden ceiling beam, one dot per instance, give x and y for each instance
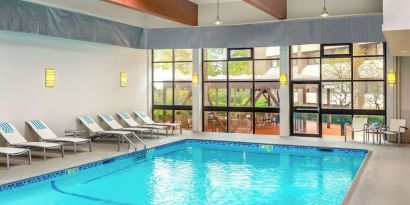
(275, 8)
(182, 11)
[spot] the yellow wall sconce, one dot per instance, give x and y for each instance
(195, 78)
(123, 79)
(283, 79)
(50, 78)
(391, 77)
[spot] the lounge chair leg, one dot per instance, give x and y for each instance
(8, 161)
(398, 140)
(75, 148)
(180, 129)
(173, 128)
(119, 144)
(44, 153)
(152, 133)
(89, 146)
(62, 151)
(345, 135)
(29, 157)
(167, 131)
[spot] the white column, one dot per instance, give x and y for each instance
(197, 92)
(391, 89)
(284, 92)
(149, 82)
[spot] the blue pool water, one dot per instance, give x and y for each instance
(204, 172)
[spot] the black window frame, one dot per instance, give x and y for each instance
(172, 107)
(227, 108)
(352, 111)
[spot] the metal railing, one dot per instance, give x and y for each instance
(132, 143)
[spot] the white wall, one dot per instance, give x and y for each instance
(404, 75)
(396, 14)
(87, 80)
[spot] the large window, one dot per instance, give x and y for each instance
(172, 86)
(241, 90)
(336, 82)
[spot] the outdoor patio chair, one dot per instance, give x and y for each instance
(358, 125)
(395, 128)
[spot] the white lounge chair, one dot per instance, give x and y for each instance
(395, 128)
(46, 134)
(358, 125)
(132, 123)
(15, 139)
(97, 131)
(114, 125)
(147, 120)
(11, 151)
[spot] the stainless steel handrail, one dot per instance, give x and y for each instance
(139, 139)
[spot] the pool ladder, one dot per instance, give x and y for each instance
(132, 143)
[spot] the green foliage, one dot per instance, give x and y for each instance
(240, 97)
(184, 68)
(215, 54)
(163, 97)
(244, 53)
(183, 54)
(215, 68)
(182, 95)
(219, 100)
(162, 55)
(163, 115)
(240, 67)
(337, 119)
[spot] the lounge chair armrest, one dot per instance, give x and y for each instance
(384, 127)
(401, 128)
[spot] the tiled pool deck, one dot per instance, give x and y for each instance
(384, 179)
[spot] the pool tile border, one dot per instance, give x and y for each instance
(142, 154)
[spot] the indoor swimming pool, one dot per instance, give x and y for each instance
(199, 172)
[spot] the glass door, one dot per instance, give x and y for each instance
(305, 109)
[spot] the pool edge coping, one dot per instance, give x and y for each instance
(356, 179)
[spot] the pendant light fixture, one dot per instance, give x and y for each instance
(218, 21)
(324, 13)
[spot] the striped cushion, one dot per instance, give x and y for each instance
(38, 124)
(5, 126)
(88, 119)
(124, 115)
(107, 117)
(142, 114)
